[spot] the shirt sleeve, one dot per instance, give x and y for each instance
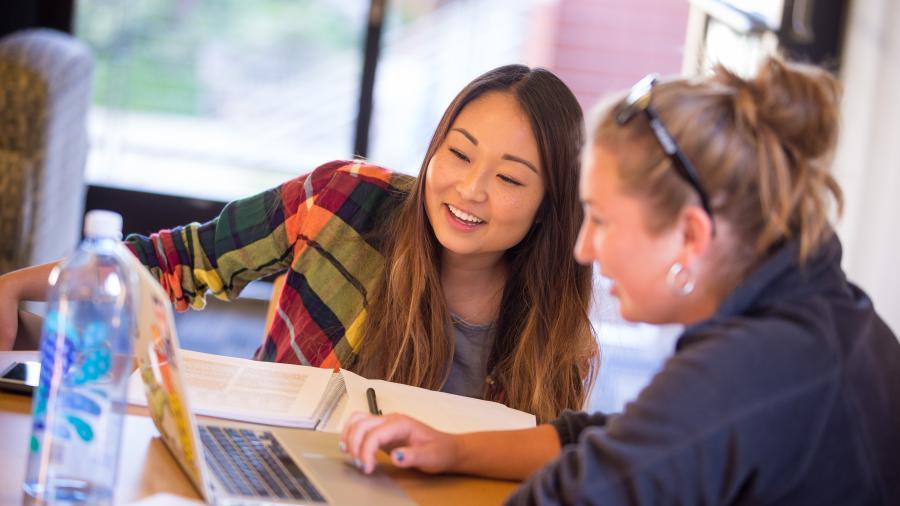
(570, 424)
(251, 238)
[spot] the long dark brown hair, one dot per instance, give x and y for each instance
(544, 352)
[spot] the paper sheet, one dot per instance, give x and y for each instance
(445, 412)
(247, 390)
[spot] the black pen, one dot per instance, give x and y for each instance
(373, 404)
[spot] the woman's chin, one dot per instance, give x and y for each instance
(630, 318)
(459, 243)
(627, 311)
(457, 249)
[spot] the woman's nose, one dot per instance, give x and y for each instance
(583, 252)
(472, 185)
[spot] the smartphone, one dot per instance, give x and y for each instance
(21, 377)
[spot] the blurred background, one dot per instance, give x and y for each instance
(192, 103)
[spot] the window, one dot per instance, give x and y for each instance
(219, 98)
(737, 33)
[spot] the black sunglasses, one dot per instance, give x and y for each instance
(638, 100)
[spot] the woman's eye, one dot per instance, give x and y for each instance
(592, 216)
(459, 154)
(509, 180)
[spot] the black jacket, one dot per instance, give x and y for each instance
(789, 394)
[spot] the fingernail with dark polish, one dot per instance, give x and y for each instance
(357, 463)
(398, 456)
(342, 447)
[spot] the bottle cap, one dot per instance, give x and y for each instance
(101, 223)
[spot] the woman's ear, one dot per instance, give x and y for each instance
(697, 230)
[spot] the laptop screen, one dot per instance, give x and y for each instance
(157, 352)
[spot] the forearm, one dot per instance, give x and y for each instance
(510, 455)
(30, 283)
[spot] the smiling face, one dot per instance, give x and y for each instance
(483, 185)
(615, 235)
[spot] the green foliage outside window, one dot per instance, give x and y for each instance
(150, 55)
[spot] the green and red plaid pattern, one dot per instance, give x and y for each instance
(318, 227)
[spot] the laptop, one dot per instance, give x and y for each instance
(233, 463)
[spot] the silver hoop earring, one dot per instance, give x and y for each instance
(680, 280)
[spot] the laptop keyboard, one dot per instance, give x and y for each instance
(252, 463)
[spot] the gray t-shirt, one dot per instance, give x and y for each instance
(469, 367)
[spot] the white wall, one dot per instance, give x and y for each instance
(867, 162)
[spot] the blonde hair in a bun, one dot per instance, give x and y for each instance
(761, 146)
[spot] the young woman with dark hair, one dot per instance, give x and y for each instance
(515, 274)
(459, 279)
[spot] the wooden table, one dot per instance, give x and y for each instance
(147, 468)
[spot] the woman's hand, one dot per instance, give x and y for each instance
(409, 442)
(30, 283)
(506, 454)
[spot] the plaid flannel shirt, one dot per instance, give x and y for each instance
(319, 227)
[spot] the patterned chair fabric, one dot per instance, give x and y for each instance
(45, 83)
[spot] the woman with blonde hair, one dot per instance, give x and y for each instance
(457, 280)
(706, 204)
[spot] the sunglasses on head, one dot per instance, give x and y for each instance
(637, 101)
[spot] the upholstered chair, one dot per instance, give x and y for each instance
(45, 83)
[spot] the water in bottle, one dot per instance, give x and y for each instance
(86, 342)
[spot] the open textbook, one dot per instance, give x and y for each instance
(314, 398)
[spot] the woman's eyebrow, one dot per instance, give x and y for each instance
(513, 158)
(506, 156)
(465, 132)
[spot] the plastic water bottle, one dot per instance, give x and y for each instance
(86, 343)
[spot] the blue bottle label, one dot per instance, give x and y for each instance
(83, 358)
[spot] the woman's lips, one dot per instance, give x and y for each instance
(459, 224)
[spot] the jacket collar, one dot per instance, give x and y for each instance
(780, 277)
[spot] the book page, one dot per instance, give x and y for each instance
(445, 412)
(249, 390)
